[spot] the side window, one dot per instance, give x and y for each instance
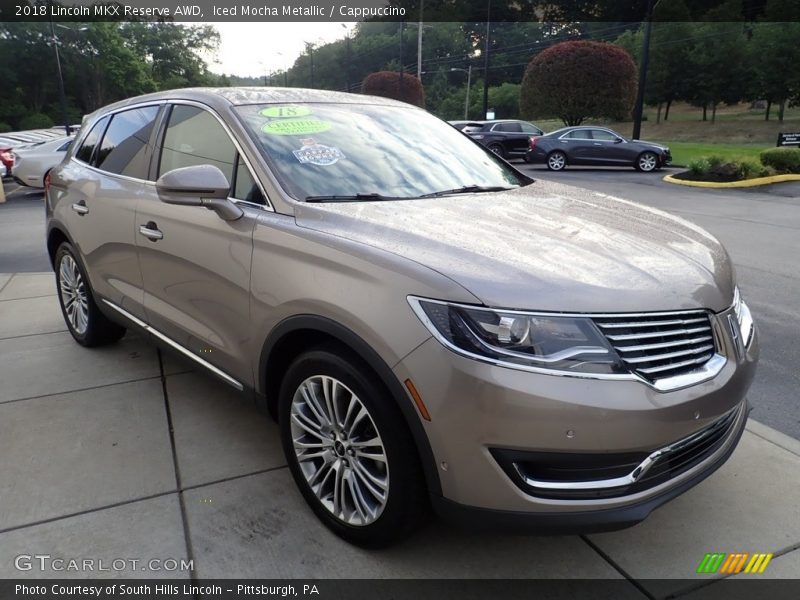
(605, 136)
(124, 144)
(86, 150)
(528, 128)
(246, 187)
(64, 147)
(194, 137)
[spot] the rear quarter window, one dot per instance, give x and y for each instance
(89, 143)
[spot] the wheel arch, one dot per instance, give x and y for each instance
(300, 332)
(56, 236)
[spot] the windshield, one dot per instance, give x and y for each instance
(369, 152)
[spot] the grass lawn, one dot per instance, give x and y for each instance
(684, 152)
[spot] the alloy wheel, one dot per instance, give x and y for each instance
(556, 161)
(73, 294)
(339, 450)
(647, 161)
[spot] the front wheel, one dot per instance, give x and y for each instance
(84, 320)
(647, 162)
(556, 161)
(349, 450)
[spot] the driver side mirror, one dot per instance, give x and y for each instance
(201, 185)
(618, 140)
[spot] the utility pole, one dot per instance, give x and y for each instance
(347, 66)
(402, 28)
(638, 108)
(486, 60)
(419, 42)
(61, 94)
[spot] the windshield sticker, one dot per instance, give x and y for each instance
(317, 154)
(296, 127)
(285, 112)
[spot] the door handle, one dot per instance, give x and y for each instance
(80, 207)
(598, 144)
(151, 232)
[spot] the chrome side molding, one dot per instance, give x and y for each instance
(186, 352)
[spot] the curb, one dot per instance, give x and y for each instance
(774, 436)
(733, 184)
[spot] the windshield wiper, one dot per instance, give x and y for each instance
(351, 198)
(469, 189)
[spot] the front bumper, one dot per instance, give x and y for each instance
(478, 408)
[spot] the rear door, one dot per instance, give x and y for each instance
(577, 144)
(197, 273)
(103, 182)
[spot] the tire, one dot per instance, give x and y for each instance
(382, 501)
(647, 162)
(84, 320)
(556, 161)
(498, 150)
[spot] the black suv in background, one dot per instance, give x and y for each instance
(506, 138)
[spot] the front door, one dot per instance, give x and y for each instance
(196, 266)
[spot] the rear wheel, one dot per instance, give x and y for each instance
(84, 320)
(498, 150)
(556, 161)
(647, 161)
(348, 450)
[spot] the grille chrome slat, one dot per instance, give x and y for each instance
(683, 363)
(655, 357)
(651, 323)
(660, 346)
(655, 334)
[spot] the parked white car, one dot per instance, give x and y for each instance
(33, 163)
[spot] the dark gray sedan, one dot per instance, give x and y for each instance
(595, 146)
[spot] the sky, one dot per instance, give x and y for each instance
(251, 49)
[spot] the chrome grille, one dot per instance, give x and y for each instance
(660, 345)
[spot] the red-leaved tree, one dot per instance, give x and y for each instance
(578, 80)
(391, 84)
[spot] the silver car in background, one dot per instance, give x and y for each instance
(429, 326)
(33, 163)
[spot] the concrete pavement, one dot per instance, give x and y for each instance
(125, 452)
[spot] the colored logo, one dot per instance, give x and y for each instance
(285, 112)
(317, 154)
(296, 127)
(737, 562)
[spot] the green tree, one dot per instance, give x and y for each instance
(577, 80)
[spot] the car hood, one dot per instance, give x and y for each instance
(652, 145)
(545, 247)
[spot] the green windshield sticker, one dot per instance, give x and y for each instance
(296, 127)
(285, 112)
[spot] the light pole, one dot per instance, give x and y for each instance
(61, 93)
(468, 71)
(486, 60)
(347, 59)
(638, 108)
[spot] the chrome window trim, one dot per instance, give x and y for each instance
(602, 484)
(268, 206)
(706, 371)
(186, 352)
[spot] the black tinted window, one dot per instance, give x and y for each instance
(508, 127)
(195, 137)
(246, 188)
(84, 153)
(124, 145)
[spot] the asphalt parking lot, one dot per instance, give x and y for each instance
(128, 452)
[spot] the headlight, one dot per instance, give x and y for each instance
(520, 339)
(743, 316)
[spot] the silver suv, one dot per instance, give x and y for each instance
(428, 325)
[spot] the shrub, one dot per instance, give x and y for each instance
(700, 166)
(35, 121)
(387, 84)
(4, 127)
(750, 169)
(783, 160)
